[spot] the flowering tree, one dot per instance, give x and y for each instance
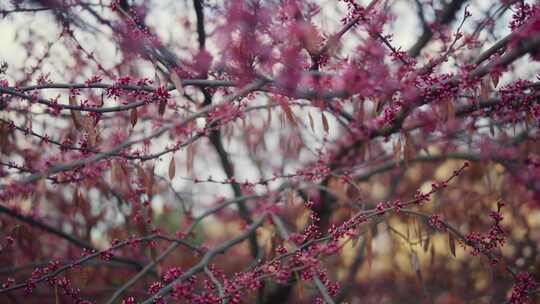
(269, 151)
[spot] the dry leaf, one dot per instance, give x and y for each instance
(361, 112)
(378, 108)
(288, 112)
(450, 111)
(24, 235)
(269, 117)
(362, 153)
(177, 83)
(190, 157)
(324, 123)
(150, 181)
(408, 226)
(92, 136)
(41, 186)
(353, 193)
(300, 285)
(133, 117)
(418, 229)
(161, 108)
(157, 79)
(355, 238)
(310, 37)
(484, 90)
(117, 173)
(60, 177)
(141, 173)
(85, 275)
(76, 201)
(415, 263)
(274, 243)
(290, 198)
(452, 243)
(88, 125)
(101, 100)
(339, 189)
(75, 115)
(495, 79)
(56, 297)
(369, 247)
(432, 255)
(311, 123)
(397, 150)
(408, 150)
(426, 243)
(172, 168)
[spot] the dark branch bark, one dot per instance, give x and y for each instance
(216, 140)
(79, 243)
(448, 14)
